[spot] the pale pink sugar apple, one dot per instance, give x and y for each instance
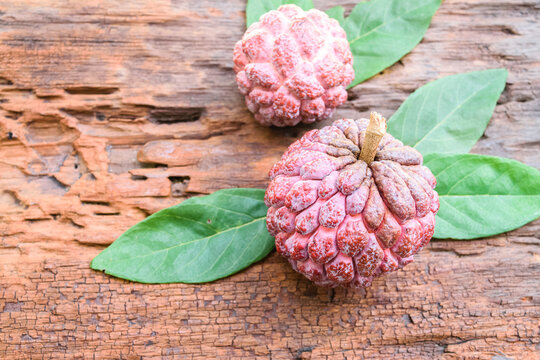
(340, 220)
(293, 66)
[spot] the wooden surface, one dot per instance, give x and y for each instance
(112, 110)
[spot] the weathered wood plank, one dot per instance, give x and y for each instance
(114, 110)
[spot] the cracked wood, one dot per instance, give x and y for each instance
(112, 111)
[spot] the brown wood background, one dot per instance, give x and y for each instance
(112, 110)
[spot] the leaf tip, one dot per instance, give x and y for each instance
(504, 72)
(97, 263)
(499, 72)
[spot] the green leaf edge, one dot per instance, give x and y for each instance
(496, 71)
(357, 81)
(96, 265)
(337, 13)
(516, 163)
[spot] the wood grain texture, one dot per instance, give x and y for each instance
(110, 111)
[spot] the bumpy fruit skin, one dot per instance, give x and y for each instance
(293, 66)
(342, 222)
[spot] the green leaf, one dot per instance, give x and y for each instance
(450, 114)
(338, 13)
(483, 195)
(381, 32)
(256, 8)
(200, 240)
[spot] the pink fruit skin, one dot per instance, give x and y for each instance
(293, 66)
(341, 222)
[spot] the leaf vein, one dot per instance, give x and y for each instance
(440, 123)
(385, 23)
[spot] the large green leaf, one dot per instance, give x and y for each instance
(202, 239)
(381, 32)
(450, 114)
(256, 8)
(483, 195)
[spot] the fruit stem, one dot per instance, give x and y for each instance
(374, 133)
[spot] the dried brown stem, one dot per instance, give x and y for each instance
(374, 133)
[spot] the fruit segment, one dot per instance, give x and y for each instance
(293, 66)
(349, 221)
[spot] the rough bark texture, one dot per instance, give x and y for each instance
(113, 110)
